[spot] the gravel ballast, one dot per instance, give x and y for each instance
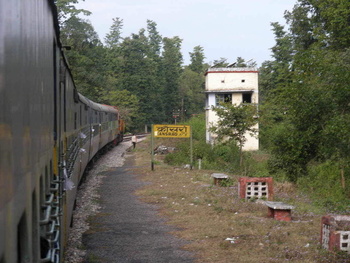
(112, 225)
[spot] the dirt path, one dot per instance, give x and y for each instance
(126, 229)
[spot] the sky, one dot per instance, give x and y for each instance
(224, 28)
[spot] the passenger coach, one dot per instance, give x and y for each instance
(48, 134)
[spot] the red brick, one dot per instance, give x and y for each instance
(261, 187)
(335, 232)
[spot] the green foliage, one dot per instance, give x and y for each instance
(197, 123)
(127, 103)
(324, 182)
(191, 93)
(305, 91)
(234, 122)
(227, 182)
(171, 71)
(66, 9)
(114, 37)
(197, 60)
(145, 64)
(222, 157)
(255, 164)
(181, 156)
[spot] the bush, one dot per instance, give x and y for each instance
(221, 157)
(323, 184)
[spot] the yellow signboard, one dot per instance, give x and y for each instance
(172, 131)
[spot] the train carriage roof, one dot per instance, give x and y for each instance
(97, 106)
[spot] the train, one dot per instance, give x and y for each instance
(49, 133)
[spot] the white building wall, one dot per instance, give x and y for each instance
(235, 81)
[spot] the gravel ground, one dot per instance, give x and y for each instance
(111, 224)
(85, 205)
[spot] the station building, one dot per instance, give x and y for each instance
(235, 85)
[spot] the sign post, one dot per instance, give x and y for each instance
(152, 150)
(171, 131)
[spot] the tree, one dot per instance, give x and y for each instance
(330, 21)
(191, 92)
(305, 90)
(66, 9)
(79, 34)
(242, 63)
(171, 69)
(197, 60)
(220, 63)
(155, 39)
(140, 76)
(126, 102)
(113, 38)
(86, 58)
(234, 122)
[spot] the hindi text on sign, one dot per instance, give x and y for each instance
(176, 131)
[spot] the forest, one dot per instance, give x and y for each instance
(304, 108)
(142, 74)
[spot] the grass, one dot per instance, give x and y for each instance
(207, 215)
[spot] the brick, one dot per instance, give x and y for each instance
(279, 211)
(335, 233)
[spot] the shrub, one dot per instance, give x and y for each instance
(323, 183)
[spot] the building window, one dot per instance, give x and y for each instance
(223, 81)
(247, 98)
(243, 80)
(223, 98)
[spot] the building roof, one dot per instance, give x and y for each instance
(230, 91)
(231, 70)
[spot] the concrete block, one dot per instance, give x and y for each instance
(219, 178)
(279, 211)
(335, 233)
(256, 188)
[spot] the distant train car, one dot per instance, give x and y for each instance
(48, 134)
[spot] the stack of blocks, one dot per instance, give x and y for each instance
(279, 211)
(335, 233)
(251, 188)
(219, 178)
(256, 188)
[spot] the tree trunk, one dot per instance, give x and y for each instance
(342, 177)
(240, 156)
